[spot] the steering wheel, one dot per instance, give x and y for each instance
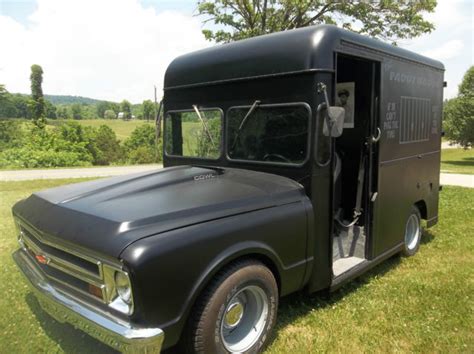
(278, 156)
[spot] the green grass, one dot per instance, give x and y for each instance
(457, 161)
(418, 304)
(122, 128)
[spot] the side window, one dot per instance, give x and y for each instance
(276, 133)
(188, 134)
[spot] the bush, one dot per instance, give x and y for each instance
(108, 149)
(71, 144)
(141, 146)
(28, 158)
(142, 154)
(64, 146)
(11, 134)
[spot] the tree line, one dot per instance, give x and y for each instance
(15, 105)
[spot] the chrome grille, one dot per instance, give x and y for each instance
(65, 268)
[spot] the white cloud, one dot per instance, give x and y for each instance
(445, 51)
(105, 49)
(451, 42)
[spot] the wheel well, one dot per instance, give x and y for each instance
(421, 205)
(267, 261)
(253, 256)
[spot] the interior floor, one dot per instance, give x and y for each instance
(349, 242)
(342, 265)
(348, 249)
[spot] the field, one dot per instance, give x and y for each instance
(457, 161)
(122, 128)
(418, 304)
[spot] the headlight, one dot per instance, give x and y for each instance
(19, 233)
(122, 284)
(118, 288)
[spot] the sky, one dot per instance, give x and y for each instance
(119, 49)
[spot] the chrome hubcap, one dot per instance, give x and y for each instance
(244, 319)
(233, 315)
(412, 232)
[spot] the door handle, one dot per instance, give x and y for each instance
(377, 138)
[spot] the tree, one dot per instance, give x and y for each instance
(22, 105)
(37, 101)
(459, 113)
(62, 112)
(126, 108)
(3, 93)
(76, 110)
(115, 107)
(109, 114)
(101, 108)
(108, 147)
(148, 109)
(7, 106)
(50, 110)
(387, 19)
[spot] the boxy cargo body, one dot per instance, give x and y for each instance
(268, 188)
(398, 97)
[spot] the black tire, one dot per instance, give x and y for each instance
(413, 233)
(208, 330)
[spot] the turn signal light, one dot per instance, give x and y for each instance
(95, 290)
(42, 259)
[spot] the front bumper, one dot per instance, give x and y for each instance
(114, 332)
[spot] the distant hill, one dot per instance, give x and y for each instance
(65, 99)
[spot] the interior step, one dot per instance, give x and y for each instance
(349, 242)
(342, 265)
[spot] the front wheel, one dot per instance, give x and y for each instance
(413, 233)
(237, 312)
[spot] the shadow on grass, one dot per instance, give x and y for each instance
(300, 304)
(427, 237)
(467, 161)
(66, 336)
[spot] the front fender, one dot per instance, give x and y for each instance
(170, 270)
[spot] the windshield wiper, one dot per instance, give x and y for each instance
(241, 126)
(204, 124)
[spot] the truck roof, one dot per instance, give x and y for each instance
(290, 52)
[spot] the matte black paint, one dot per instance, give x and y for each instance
(107, 215)
(174, 232)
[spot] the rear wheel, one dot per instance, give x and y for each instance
(413, 233)
(237, 312)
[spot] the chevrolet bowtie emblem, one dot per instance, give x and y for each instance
(42, 259)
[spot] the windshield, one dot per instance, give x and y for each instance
(194, 133)
(273, 133)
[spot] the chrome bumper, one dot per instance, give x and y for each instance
(114, 332)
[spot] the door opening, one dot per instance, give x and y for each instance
(357, 91)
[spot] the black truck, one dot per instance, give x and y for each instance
(294, 161)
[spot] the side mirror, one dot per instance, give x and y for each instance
(334, 122)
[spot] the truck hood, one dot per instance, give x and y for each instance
(107, 215)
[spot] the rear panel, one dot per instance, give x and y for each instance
(409, 156)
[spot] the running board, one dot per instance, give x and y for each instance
(362, 267)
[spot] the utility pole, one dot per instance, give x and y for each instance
(157, 119)
(156, 107)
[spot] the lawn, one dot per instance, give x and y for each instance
(457, 161)
(418, 304)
